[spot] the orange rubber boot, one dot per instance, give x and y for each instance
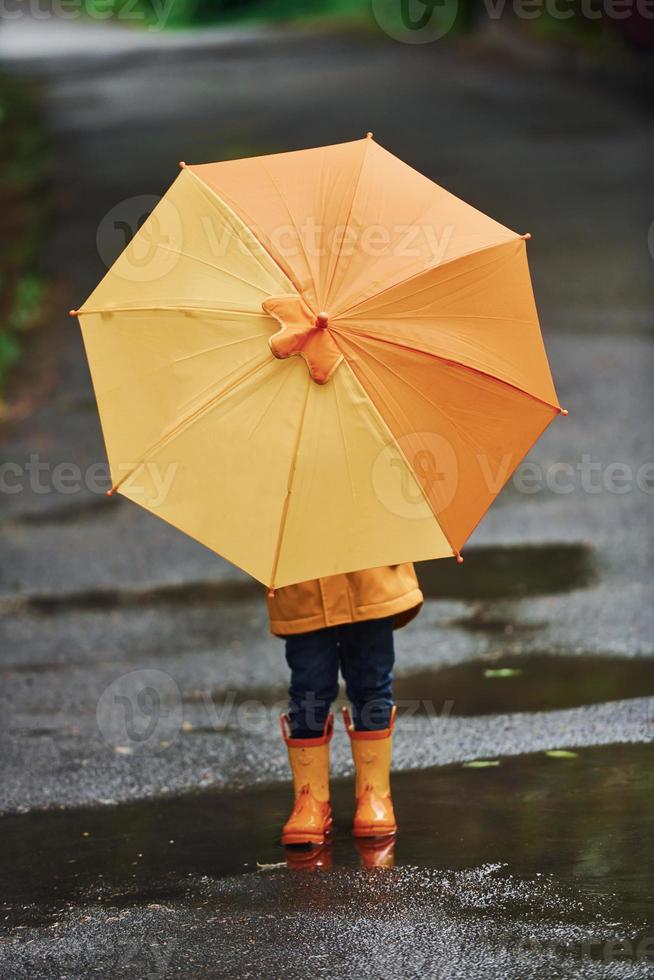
(311, 818)
(371, 751)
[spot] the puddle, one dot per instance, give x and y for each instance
(585, 823)
(534, 682)
(99, 600)
(61, 514)
(491, 572)
(501, 685)
(484, 619)
(46, 667)
(488, 573)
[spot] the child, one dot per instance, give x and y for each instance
(347, 622)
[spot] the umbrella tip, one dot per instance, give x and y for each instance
(73, 312)
(369, 136)
(564, 411)
(111, 491)
(182, 164)
(270, 593)
(459, 558)
(526, 236)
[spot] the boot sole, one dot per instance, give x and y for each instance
(372, 831)
(307, 837)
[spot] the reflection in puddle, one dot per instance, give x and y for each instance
(533, 682)
(374, 853)
(587, 822)
(493, 572)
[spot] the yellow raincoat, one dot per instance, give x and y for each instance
(372, 593)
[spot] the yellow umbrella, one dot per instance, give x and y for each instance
(421, 380)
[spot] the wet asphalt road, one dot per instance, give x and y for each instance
(553, 607)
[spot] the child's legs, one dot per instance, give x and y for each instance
(313, 659)
(367, 656)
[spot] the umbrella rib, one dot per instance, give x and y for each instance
(240, 214)
(285, 380)
(439, 408)
(387, 429)
(210, 350)
(482, 272)
(184, 423)
(297, 230)
(422, 272)
(289, 485)
(347, 221)
(187, 357)
(445, 360)
(209, 387)
(237, 213)
(344, 440)
(210, 265)
(442, 316)
(171, 309)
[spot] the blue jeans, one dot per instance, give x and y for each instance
(365, 654)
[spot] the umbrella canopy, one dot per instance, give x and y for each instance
(419, 384)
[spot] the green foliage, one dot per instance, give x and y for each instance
(22, 156)
(187, 13)
(28, 296)
(9, 351)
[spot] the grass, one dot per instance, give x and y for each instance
(22, 159)
(198, 13)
